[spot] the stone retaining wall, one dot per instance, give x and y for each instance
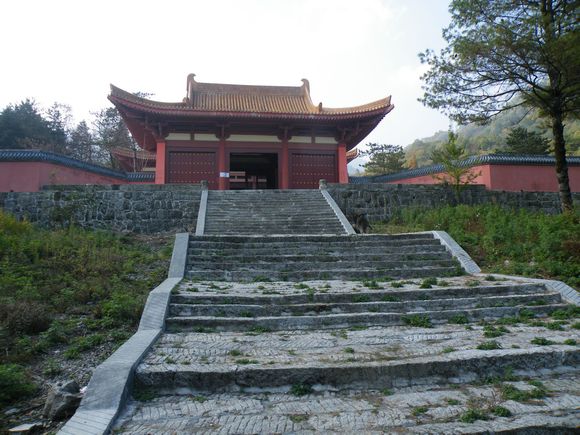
(147, 208)
(379, 200)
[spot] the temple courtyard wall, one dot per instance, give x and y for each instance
(150, 208)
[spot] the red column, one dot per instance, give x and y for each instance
(342, 169)
(224, 175)
(160, 163)
(284, 168)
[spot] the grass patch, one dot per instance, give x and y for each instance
(512, 242)
(448, 350)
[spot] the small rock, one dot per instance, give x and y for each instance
(26, 428)
(11, 411)
(62, 401)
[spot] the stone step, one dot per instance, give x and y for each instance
(359, 304)
(302, 239)
(321, 274)
(347, 320)
(306, 244)
(367, 411)
(379, 359)
(314, 292)
(217, 256)
(280, 264)
(359, 251)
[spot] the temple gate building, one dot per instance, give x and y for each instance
(244, 137)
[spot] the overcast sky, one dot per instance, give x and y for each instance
(352, 51)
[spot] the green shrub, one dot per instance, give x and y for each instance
(14, 384)
(123, 308)
(25, 317)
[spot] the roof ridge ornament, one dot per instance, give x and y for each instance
(189, 88)
(306, 85)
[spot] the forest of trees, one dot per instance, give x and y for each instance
(492, 137)
(25, 125)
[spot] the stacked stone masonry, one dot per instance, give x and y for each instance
(380, 201)
(144, 208)
(150, 208)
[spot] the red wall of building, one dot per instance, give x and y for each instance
(513, 178)
(31, 176)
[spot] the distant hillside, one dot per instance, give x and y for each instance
(489, 138)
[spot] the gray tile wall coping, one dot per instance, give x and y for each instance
(111, 382)
(200, 227)
(457, 251)
(338, 212)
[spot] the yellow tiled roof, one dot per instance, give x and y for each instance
(217, 97)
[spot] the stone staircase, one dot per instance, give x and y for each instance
(373, 356)
(270, 212)
(336, 333)
(297, 258)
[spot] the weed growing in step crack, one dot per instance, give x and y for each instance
(419, 410)
(458, 319)
(301, 389)
(360, 299)
(372, 284)
(396, 284)
(473, 414)
(348, 350)
(489, 345)
(448, 350)
(452, 402)
(298, 418)
(418, 321)
(566, 314)
(570, 342)
(473, 283)
(428, 282)
(246, 361)
(501, 411)
(490, 331)
(235, 352)
(510, 392)
(541, 341)
(199, 399)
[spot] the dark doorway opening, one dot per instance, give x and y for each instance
(253, 171)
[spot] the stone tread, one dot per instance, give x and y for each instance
(329, 350)
(350, 411)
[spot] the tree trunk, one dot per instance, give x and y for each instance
(561, 163)
(556, 108)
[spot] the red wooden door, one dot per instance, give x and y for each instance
(306, 169)
(192, 167)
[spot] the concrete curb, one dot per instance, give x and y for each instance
(112, 381)
(200, 227)
(568, 293)
(338, 212)
(457, 251)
